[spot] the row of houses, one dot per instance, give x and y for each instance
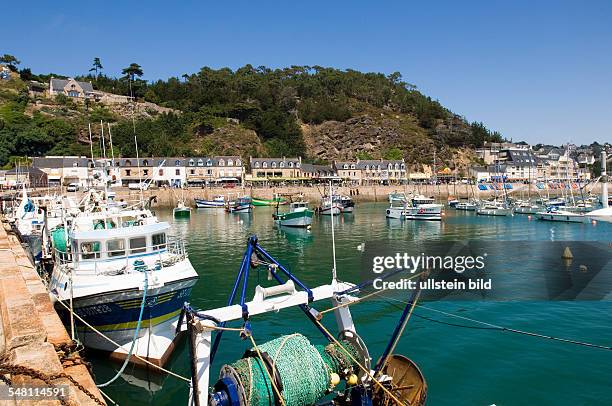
(201, 171)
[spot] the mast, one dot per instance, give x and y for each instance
(331, 202)
(604, 178)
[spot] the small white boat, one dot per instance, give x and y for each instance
(526, 207)
(466, 206)
(493, 209)
(241, 205)
(430, 212)
(421, 199)
(218, 202)
(346, 203)
(329, 207)
(555, 214)
(397, 204)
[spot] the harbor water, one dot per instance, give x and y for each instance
(463, 365)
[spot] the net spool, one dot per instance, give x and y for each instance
(302, 372)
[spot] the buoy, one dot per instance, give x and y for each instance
(567, 253)
(529, 217)
(352, 380)
(594, 222)
(583, 268)
(308, 227)
(361, 247)
(334, 379)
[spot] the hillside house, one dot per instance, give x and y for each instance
(71, 88)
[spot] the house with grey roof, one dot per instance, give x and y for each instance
(275, 168)
(71, 88)
(63, 170)
(372, 171)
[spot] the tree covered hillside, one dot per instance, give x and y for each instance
(248, 111)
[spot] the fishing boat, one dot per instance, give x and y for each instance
(181, 210)
(429, 212)
(493, 208)
(556, 214)
(298, 215)
(329, 207)
(397, 204)
(269, 202)
(453, 202)
(421, 199)
(218, 202)
(346, 203)
(121, 273)
(526, 207)
(469, 205)
(242, 204)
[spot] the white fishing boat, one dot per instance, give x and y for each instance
(120, 272)
(526, 207)
(430, 212)
(346, 203)
(181, 210)
(556, 214)
(329, 207)
(397, 204)
(493, 208)
(298, 215)
(421, 199)
(469, 205)
(218, 202)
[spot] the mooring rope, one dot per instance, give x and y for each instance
(491, 326)
(110, 340)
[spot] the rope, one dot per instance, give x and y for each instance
(490, 326)
(146, 361)
(136, 332)
(364, 369)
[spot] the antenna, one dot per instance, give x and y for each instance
(91, 144)
(103, 144)
(331, 202)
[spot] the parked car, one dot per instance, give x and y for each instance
(73, 187)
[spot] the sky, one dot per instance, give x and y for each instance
(539, 71)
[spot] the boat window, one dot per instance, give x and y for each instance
(90, 250)
(138, 245)
(159, 241)
(115, 248)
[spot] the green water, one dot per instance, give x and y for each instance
(462, 366)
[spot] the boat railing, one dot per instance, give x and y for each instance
(126, 260)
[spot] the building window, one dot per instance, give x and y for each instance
(230, 162)
(290, 164)
(273, 164)
(177, 172)
(221, 162)
(264, 165)
(200, 162)
(345, 166)
(238, 162)
(282, 164)
(145, 162)
(146, 172)
(128, 162)
(191, 162)
(161, 172)
(256, 165)
(127, 172)
(209, 163)
(177, 163)
(192, 171)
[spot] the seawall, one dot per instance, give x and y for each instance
(32, 334)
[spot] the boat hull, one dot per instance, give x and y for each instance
(183, 212)
(243, 208)
(297, 219)
(209, 204)
(116, 314)
(562, 217)
(329, 211)
(395, 212)
(268, 202)
(427, 212)
(494, 212)
(465, 207)
(527, 210)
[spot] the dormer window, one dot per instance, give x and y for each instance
(191, 162)
(145, 162)
(221, 162)
(290, 164)
(256, 165)
(297, 165)
(273, 164)
(345, 166)
(200, 162)
(75, 164)
(367, 167)
(378, 167)
(403, 166)
(177, 163)
(230, 162)
(396, 167)
(128, 162)
(264, 165)
(282, 164)
(352, 166)
(238, 162)
(209, 163)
